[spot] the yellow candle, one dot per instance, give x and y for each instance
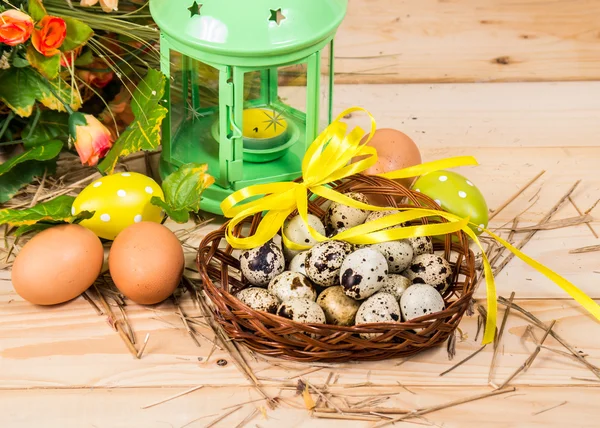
(263, 124)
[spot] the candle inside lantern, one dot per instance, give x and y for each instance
(263, 128)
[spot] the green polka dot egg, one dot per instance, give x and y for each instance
(118, 201)
(456, 195)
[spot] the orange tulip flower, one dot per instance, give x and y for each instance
(49, 35)
(92, 139)
(15, 27)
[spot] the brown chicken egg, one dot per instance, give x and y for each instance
(395, 150)
(146, 262)
(57, 264)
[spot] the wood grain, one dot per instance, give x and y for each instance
(121, 408)
(401, 41)
(67, 357)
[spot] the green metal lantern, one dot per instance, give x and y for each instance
(246, 93)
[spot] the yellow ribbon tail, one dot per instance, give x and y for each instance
(583, 299)
(427, 167)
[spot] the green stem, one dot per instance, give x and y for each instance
(34, 124)
(7, 121)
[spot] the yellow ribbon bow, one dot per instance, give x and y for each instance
(330, 158)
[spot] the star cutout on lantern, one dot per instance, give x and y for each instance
(276, 16)
(195, 9)
(273, 120)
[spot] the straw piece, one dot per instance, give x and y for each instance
(581, 214)
(559, 224)
(549, 408)
(516, 195)
(590, 249)
(172, 397)
(498, 338)
(416, 413)
(460, 363)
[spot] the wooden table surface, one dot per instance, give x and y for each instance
(65, 367)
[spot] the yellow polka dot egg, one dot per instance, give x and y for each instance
(118, 201)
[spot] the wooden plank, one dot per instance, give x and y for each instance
(121, 408)
(70, 346)
(399, 41)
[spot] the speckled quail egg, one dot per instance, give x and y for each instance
(376, 215)
(419, 300)
(295, 230)
(259, 299)
(288, 284)
(363, 273)
(339, 215)
(260, 265)
(380, 307)
(399, 254)
(395, 285)
(302, 310)
(339, 309)
(421, 245)
(298, 263)
(323, 262)
(430, 269)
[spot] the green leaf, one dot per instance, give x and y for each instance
(40, 153)
(21, 175)
(144, 132)
(52, 125)
(48, 66)
(58, 209)
(37, 227)
(20, 62)
(84, 59)
(78, 34)
(183, 191)
(22, 87)
(37, 9)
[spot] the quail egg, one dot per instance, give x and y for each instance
(302, 310)
(298, 263)
(419, 300)
(323, 262)
(398, 254)
(363, 273)
(421, 245)
(339, 215)
(380, 307)
(395, 285)
(260, 265)
(430, 269)
(296, 231)
(339, 309)
(258, 299)
(292, 284)
(376, 215)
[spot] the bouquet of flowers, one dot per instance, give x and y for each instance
(78, 77)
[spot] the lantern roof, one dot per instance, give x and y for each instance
(248, 27)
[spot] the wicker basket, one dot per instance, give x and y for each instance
(275, 336)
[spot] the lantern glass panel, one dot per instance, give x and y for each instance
(325, 88)
(194, 110)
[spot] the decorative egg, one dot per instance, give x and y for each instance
(288, 284)
(57, 265)
(339, 309)
(455, 194)
(395, 150)
(296, 231)
(430, 269)
(118, 201)
(396, 285)
(419, 300)
(324, 260)
(421, 245)
(298, 263)
(398, 254)
(343, 216)
(259, 299)
(363, 273)
(302, 310)
(380, 307)
(260, 265)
